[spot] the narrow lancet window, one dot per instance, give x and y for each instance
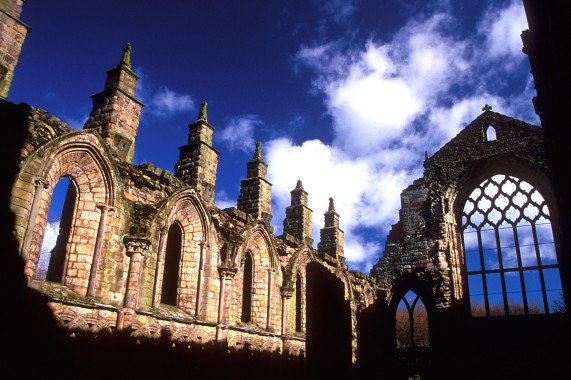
(172, 265)
(53, 255)
(247, 288)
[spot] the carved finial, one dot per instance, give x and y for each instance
(425, 155)
(126, 58)
(299, 185)
(258, 151)
(331, 205)
(487, 107)
(202, 113)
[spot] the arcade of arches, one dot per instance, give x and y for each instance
(471, 262)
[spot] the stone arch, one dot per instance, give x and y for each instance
(82, 158)
(410, 283)
(514, 166)
(197, 270)
(266, 279)
(295, 274)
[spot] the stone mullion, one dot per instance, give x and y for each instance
(159, 267)
(540, 268)
(40, 185)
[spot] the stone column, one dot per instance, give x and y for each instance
(105, 209)
(136, 247)
(269, 306)
(159, 267)
(226, 276)
(203, 245)
(286, 293)
(40, 185)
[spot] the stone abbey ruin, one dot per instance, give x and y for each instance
(149, 277)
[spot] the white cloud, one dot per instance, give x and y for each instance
(239, 133)
(358, 186)
(502, 28)
(222, 200)
(166, 103)
(50, 237)
(389, 102)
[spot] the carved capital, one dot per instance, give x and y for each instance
(105, 208)
(226, 272)
(287, 292)
(41, 182)
(136, 245)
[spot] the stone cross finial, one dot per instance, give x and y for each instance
(487, 107)
(331, 205)
(202, 113)
(126, 58)
(258, 151)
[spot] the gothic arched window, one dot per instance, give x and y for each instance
(51, 265)
(411, 322)
(511, 263)
(247, 288)
(172, 265)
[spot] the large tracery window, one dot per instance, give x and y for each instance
(510, 255)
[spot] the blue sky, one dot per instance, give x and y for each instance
(344, 95)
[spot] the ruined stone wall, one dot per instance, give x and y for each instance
(425, 243)
(12, 35)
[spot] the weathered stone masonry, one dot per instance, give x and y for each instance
(136, 232)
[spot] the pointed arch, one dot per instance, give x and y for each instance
(173, 254)
(184, 209)
(82, 157)
(491, 284)
(266, 278)
(295, 276)
(247, 286)
(411, 322)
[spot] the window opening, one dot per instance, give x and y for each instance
(490, 134)
(510, 256)
(56, 236)
(172, 265)
(411, 322)
(298, 303)
(247, 289)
